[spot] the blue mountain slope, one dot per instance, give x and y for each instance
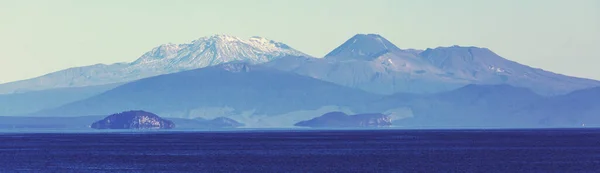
(30, 102)
(469, 106)
(482, 66)
(236, 86)
(576, 109)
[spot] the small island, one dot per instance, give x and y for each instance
(133, 120)
(342, 120)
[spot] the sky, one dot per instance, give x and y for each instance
(42, 36)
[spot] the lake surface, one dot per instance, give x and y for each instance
(549, 150)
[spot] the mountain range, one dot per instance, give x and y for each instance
(230, 89)
(164, 59)
(372, 63)
(469, 106)
(263, 83)
(578, 108)
(501, 106)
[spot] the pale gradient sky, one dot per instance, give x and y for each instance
(42, 36)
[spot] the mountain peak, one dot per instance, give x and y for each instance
(163, 51)
(223, 38)
(216, 49)
(465, 58)
(261, 43)
(228, 39)
(364, 46)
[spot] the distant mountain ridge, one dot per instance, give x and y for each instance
(342, 120)
(579, 108)
(164, 59)
(479, 106)
(230, 89)
(265, 83)
(372, 63)
(30, 102)
(482, 66)
(366, 61)
(491, 106)
(469, 106)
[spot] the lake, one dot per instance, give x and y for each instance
(539, 150)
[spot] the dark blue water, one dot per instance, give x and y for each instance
(305, 151)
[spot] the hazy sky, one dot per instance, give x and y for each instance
(38, 37)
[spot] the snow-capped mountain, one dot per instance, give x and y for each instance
(372, 63)
(214, 50)
(167, 58)
(365, 61)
